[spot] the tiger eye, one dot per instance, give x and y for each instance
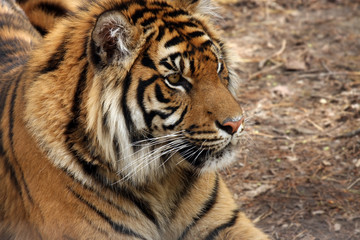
(174, 78)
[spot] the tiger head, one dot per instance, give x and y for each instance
(159, 90)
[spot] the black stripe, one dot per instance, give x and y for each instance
(141, 204)
(214, 233)
(97, 228)
(143, 84)
(192, 66)
(21, 1)
(172, 126)
(128, 4)
(166, 64)
(122, 5)
(149, 37)
(208, 205)
(54, 9)
(190, 132)
(111, 203)
(8, 167)
(206, 44)
(2, 150)
(117, 227)
(11, 136)
(176, 13)
(84, 53)
(161, 32)
(94, 56)
(174, 41)
(202, 140)
(161, 4)
(130, 126)
(185, 84)
(150, 116)
(88, 167)
(179, 25)
(3, 96)
(148, 21)
(41, 30)
(72, 126)
(56, 59)
(159, 95)
(195, 34)
(139, 13)
(174, 56)
(75, 133)
(147, 61)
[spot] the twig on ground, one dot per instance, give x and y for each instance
(281, 50)
(353, 183)
(315, 125)
(349, 134)
(265, 70)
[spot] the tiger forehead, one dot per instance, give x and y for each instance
(164, 17)
(177, 47)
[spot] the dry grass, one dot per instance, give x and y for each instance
(298, 175)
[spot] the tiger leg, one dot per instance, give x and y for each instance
(234, 226)
(215, 215)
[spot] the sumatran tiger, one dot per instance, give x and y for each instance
(114, 125)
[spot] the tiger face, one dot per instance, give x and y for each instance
(178, 98)
(184, 91)
(159, 91)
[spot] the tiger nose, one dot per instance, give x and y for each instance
(231, 126)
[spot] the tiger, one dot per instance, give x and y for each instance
(114, 125)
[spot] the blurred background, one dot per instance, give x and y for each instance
(298, 174)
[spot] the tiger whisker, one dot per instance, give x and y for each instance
(142, 164)
(147, 156)
(150, 144)
(156, 139)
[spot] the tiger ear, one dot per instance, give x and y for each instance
(203, 7)
(114, 38)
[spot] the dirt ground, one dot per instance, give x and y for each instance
(298, 176)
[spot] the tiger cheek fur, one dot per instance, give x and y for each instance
(116, 125)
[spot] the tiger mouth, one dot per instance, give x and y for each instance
(198, 156)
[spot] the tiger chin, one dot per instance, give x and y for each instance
(113, 125)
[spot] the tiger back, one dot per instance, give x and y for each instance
(113, 126)
(44, 14)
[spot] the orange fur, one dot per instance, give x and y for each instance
(96, 142)
(44, 14)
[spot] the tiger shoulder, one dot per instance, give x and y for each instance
(115, 124)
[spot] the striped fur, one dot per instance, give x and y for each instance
(43, 14)
(113, 126)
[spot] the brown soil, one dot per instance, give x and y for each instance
(298, 176)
